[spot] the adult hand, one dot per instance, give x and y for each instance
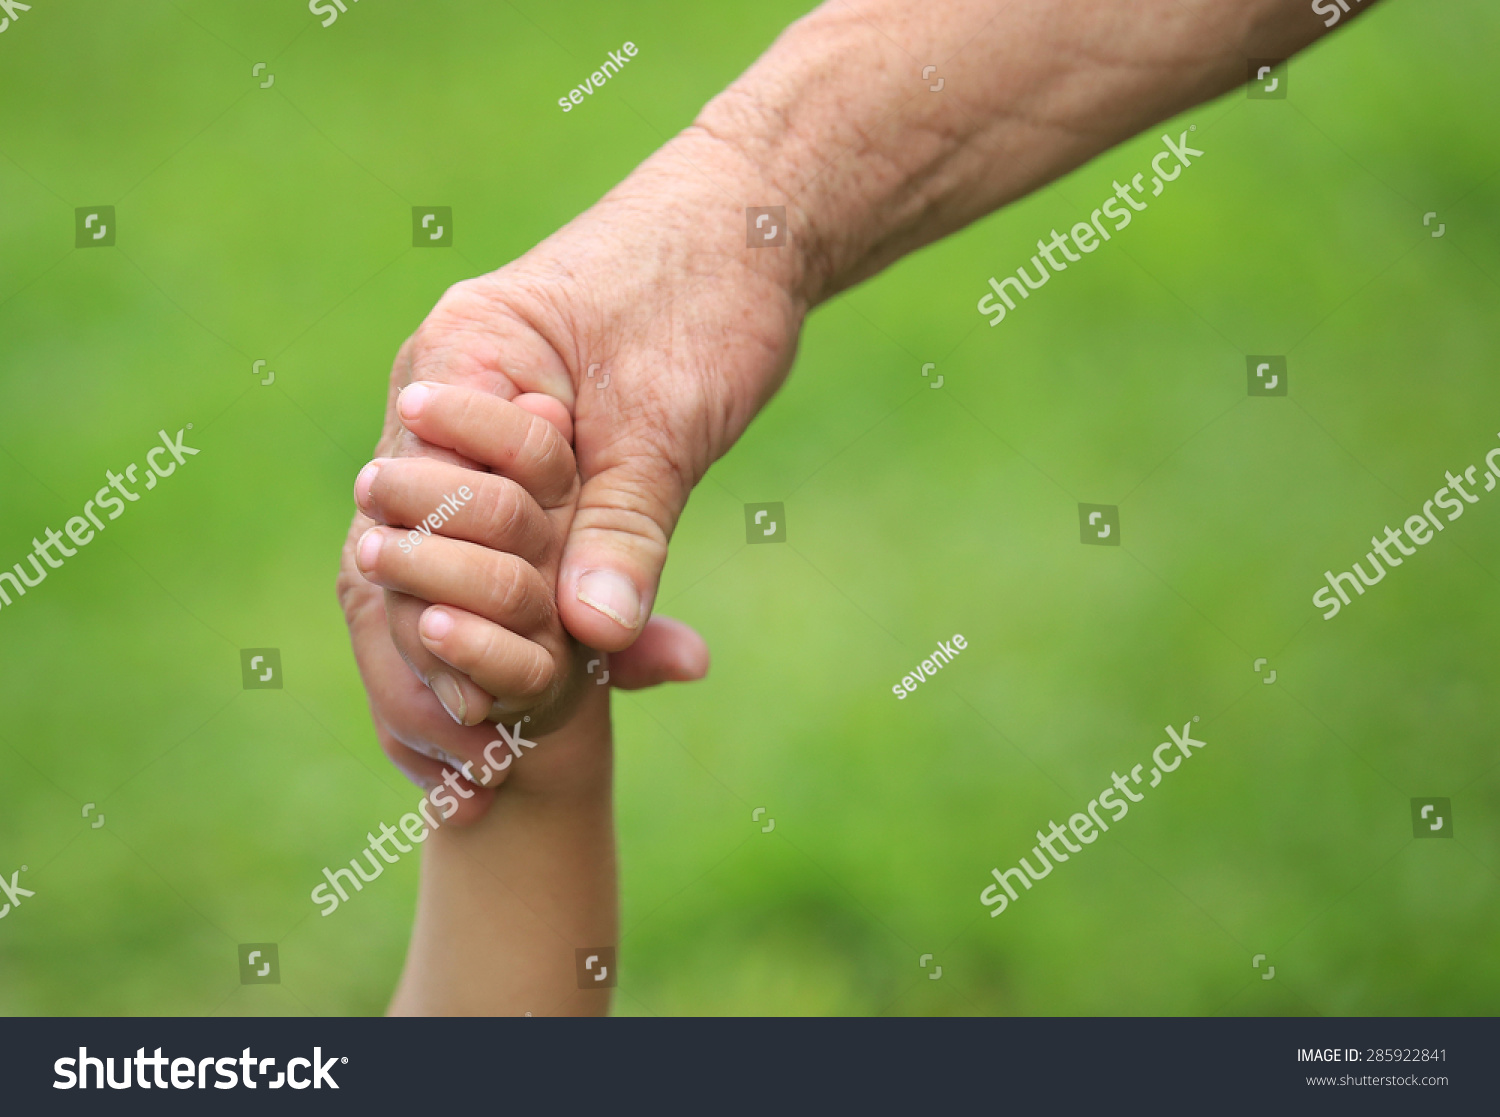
(654, 287)
(692, 343)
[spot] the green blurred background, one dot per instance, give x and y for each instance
(274, 224)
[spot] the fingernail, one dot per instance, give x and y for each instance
(367, 551)
(612, 594)
(364, 483)
(435, 624)
(413, 397)
(448, 693)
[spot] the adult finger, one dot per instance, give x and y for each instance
(668, 651)
(615, 552)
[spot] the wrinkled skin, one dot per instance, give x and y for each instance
(653, 288)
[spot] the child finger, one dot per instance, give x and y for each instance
(511, 440)
(408, 712)
(441, 747)
(501, 587)
(465, 703)
(431, 497)
(550, 408)
(510, 667)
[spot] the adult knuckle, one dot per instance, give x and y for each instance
(424, 341)
(642, 521)
(460, 297)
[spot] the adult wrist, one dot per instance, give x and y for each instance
(829, 123)
(707, 178)
(751, 156)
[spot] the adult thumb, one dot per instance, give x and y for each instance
(616, 549)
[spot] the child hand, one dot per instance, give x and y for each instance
(484, 546)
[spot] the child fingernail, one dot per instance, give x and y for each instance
(612, 594)
(412, 399)
(364, 483)
(367, 551)
(436, 624)
(448, 693)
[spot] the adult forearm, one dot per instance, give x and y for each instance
(840, 123)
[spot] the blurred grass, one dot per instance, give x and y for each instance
(272, 224)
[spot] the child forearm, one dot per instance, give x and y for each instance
(505, 905)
